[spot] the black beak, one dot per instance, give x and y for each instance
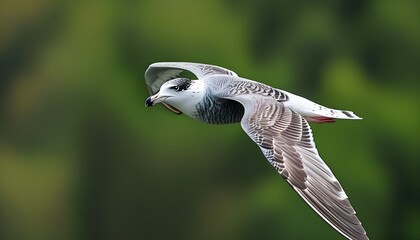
(149, 102)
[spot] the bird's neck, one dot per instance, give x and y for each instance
(196, 94)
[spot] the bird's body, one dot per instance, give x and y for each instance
(276, 120)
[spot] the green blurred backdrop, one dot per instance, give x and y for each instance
(82, 158)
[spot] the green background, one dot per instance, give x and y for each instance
(82, 158)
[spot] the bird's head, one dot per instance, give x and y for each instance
(180, 93)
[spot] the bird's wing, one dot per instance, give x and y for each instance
(286, 140)
(158, 73)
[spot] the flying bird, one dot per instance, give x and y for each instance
(276, 120)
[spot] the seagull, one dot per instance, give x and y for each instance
(276, 120)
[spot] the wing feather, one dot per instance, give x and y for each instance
(286, 140)
(161, 72)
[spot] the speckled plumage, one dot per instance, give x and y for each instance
(276, 120)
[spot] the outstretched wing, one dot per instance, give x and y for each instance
(158, 73)
(286, 140)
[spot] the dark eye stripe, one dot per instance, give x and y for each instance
(182, 84)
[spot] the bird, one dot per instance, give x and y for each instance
(276, 120)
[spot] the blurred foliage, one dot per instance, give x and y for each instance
(81, 158)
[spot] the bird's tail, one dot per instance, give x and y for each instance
(314, 112)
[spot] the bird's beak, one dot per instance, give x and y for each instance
(152, 100)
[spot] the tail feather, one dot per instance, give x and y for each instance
(315, 112)
(338, 114)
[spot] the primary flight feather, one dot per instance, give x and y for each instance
(276, 120)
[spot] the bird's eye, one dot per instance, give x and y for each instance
(176, 88)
